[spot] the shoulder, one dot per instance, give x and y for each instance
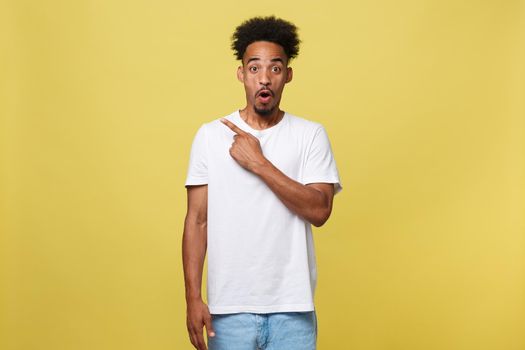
(215, 125)
(304, 125)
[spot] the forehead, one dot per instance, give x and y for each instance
(264, 50)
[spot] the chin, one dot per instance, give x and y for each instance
(263, 112)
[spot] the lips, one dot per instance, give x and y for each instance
(265, 95)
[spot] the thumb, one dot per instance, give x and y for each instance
(209, 326)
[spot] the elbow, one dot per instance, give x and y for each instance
(321, 217)
(321, 212)
(319, 223)
(196, 222)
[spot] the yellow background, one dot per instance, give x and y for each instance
(424, 105)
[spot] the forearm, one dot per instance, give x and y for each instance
(307, 202)
(194, 244)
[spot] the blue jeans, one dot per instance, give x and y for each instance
(273, 331)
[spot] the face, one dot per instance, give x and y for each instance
(264, 73)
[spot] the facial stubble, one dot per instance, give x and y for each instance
(263, 112)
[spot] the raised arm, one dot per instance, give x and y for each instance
(194, 244)
(312, 202)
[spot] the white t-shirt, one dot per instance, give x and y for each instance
(261, 255)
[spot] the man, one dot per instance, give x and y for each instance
(257, 179)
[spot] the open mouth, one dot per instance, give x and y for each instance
(265, 96)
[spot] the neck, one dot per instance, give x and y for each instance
(260, 122)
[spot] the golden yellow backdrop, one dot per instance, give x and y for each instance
(424, 105)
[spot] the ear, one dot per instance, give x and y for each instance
(240, 74)
(289, 74)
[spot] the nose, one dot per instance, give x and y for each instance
(264, 78)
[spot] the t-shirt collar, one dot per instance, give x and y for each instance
(245, 126)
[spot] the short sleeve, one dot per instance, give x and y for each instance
(198, 165)
(320, 163)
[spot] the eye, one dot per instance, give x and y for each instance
(276, 69)
(253, 69)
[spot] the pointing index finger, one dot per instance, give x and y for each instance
(232, 126)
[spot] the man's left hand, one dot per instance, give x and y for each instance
(245, 149)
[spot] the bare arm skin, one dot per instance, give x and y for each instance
(312, 202)
(194, 245)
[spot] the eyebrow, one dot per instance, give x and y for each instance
(277, 59)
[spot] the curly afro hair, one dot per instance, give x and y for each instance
(271, 29)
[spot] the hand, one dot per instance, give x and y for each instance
(245, 149)
(198, 316)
